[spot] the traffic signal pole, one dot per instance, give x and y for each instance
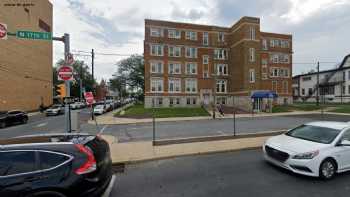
(66, 41)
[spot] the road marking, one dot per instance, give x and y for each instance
(103, 128)
(41, 124)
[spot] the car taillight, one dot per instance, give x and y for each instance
(90, 164)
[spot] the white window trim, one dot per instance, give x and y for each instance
(196, 66)
(190, 35)
(156, 62)
(219, 81)
(189, 48)
(223, 66)
(205, 57)
(223, 53)
(175, 63)
(207, 38)
(174, 80)
(174, 48)
(252, 33)
(157, 79)
(162, 47)
(252, 77)
(196, 85)
(252, 55)
(156, 28)
(223, 37)
(175, 36)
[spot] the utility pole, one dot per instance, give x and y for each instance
(81, 83)
(93, 80)
(318, 85)
(67, 83)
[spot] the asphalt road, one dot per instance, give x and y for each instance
(167, 130)
(236, 174)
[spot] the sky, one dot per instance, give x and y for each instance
(320, 28)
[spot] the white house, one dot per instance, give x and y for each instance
(334, 85)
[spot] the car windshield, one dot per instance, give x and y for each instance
(314, 133)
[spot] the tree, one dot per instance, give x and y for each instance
(130, 74)
(81, 72)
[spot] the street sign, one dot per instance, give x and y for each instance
(89, 97)
(68, 100)
(34, 35)
(3, 31)
(70, 59)
(65, 73)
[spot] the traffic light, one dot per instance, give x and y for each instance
(61, 90)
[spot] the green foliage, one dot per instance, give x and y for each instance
(81, 72)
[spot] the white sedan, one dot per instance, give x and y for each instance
(319, 149)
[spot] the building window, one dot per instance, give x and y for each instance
(251, 75)
(303, 91)
(174, 68)
(274, 86)
(156, 32)
(283, 58)
(191, 52)
(221, 69)
(252, 55)
(156, 50)
(156, 67)
(284, 43)
(274, 58)
(306, 78)
(344, 76)
(205, 74)
(205, 38)
(274, 43)
(205, 59)
(348, 89)
(220, 54)
(221, 100)
(274, 72)
(343, 89)
(252, 33)
(264, 62)
(191, 35)
(264, 44)
(174, 101)
(191, 68)
(157, 102)
(156, 85)
(191, 101)
(221, 37)
(349, 74)
(174, 85)
(174, 51)
(310, 91)
(285, 86)
(221, 86)
(191, 85)
(174, 33)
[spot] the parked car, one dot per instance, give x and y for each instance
(99, 109)
(58, 165)
(75, 105)
(55, 110)
(12, 117)
(319, 149)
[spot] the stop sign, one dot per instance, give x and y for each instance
(65, 73)
(3, 31)
(89, 97)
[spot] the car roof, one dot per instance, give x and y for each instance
(74, 138)
(330, 124)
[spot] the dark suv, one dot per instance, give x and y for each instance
(57, 165)
(12, 117)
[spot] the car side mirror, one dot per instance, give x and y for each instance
(344, 143)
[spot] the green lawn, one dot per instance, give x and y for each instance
(138, 111)
(342, 109)
(295, 107)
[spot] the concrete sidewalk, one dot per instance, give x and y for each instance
(144, 151)
(109, 119)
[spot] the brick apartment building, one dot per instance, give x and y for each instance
(190, 64)
(25, 65)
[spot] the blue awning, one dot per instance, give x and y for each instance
(264, 94)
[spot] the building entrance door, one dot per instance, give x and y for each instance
(206, 99)
(257, 105)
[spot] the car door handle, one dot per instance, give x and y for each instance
(32, 178)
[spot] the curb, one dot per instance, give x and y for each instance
(216, 138)
(184, 155)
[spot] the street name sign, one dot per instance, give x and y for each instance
(32, 35)
(65, 73)
(3, 31)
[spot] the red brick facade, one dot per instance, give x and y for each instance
(247, 65)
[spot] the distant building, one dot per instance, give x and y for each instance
(190, 65)
(101, 91)
(334, 85)
(25, 65)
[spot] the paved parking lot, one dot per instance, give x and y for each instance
(243, 173)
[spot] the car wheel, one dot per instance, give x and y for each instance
(2, 125)
(47, 194)
(24, 120)
(328, 169)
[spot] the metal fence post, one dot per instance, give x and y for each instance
(234, 122)
(154, 129)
